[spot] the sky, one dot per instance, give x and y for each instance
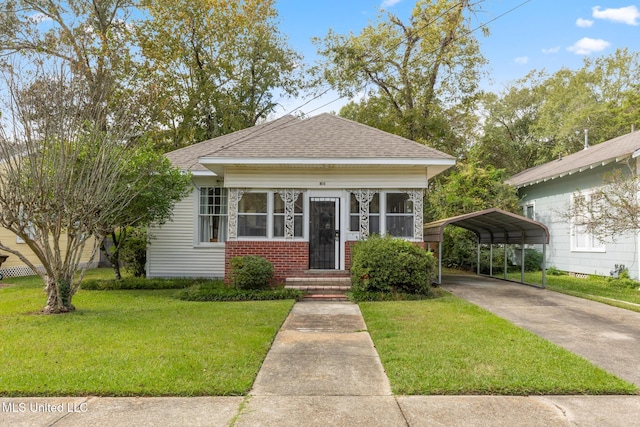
(524, 34)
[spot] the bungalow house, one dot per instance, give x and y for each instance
(298, 192)
(549, 189)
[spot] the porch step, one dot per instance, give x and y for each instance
(321, 288)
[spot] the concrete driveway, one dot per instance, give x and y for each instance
(607, 336)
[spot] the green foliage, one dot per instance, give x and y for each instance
(553, 271)
(219, 292)
(133, 252)
(542, 116)
(469, 188)
(431, 65)
(250, 272)
(387, 264)
(459, 249)
(623, 280)
(142, 283)
(215, 67)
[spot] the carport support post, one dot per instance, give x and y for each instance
(440, 263)
(544, 265)
(504, 255)
(491, 259)
(478, 265)
(522, 261)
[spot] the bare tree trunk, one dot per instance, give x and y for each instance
(58, 296)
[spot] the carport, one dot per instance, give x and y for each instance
(491, 227)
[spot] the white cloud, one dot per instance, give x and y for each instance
(389, 3)
(587, 46)
(521, 60)
(551, 50)
(624, 15)
(38, 18)
(584, 23)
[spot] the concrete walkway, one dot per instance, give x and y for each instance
(324, 370)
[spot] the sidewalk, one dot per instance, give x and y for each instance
(324, 370)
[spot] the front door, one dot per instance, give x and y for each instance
(324, 233)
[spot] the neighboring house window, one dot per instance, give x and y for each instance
(399, 215)
(212, 218)
(252, 215)
(529, 211)
(279, 216)
(374, 214)
(581, 240)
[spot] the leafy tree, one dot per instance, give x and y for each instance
(508, 141)
(90, 37)
(219, 65)
(156, 195)
(416, 76)
(471, 188)
(66, 179)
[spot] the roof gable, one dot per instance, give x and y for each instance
(613, 150)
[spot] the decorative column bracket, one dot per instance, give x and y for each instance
(289, 197)
(417, 197)
(235, 195)
(364, 198)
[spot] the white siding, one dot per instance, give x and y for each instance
(553, 197)
(318, 178)
(173, 251)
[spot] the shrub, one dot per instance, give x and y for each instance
(532, 260)
(133, 252)
(207, 292)
(553, 271)
(142, 283)
(387, 264)
(250, 272)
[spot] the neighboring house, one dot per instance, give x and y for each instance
(298, 192)
(14, 267)
(549, 189)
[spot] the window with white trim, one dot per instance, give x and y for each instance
(213, 214)
(253, 214)
(581, 239)
(399, 215)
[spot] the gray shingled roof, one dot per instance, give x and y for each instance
(325, 136)
(597, 155)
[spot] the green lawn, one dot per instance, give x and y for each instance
(121, 343)
(448, 346)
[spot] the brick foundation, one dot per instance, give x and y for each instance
(288, 258)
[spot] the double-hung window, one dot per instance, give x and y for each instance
(581, 239)
(253, 215)
(213, 214)
(399, 215)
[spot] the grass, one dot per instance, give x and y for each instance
(133, 342)
(448, 346)
(597, 288)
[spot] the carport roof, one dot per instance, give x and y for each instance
(492, 226)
